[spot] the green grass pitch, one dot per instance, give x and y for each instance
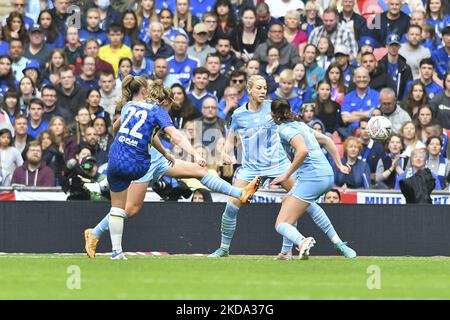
(236, 277)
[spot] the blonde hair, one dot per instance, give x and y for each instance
(160, 95)
(130, 87)
(140, 13)
(253, 79)
(350, 140)
(287, 75)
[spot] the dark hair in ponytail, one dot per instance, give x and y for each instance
(282, 112)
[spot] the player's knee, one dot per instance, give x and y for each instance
(132, 210)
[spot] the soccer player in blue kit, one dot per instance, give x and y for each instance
(163, 163)
(314, 176)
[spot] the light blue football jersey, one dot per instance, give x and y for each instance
(315, 163)
(262, 151)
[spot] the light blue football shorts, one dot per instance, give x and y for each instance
(309, 190)
(159, 165)
(248, 175)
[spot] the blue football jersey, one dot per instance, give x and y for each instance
(140, 121)
(182, 70)
(315, 163)
(262, 150)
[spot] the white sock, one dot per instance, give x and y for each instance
(336, 239)
(116, 218)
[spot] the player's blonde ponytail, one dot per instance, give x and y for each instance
(130, 86)
(160, 95)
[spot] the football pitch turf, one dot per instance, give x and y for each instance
(32, 276)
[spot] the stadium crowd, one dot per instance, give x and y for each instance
(338, 62)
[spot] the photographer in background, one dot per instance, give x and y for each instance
(81, 180)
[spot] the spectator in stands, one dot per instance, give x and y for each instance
(180, 64)
(292, 32)
(413, 51)
(359, 177)
(108, 92)
(391, 109)
(51, 155)
(426, 73)
(146, 14)
(21, 137)
(57, 62)
(379, 78)
(418, 162)
(184, 19)
(4, 45)
(441, 102)
(36, 123)
(33, 71)
(409, 139)
(95, 109)
(116, 50)
(73, 48)
(229, 61)
(238, 79)
(272, 69)
(217, 81)
(332, 196)
(130, 27)
(247, 36)
(354, 22)
(70, 94)
(358, 103)
(15, 28)
(201, 195)
(91, 48)
(63, 140)
(51, 108)
(20, 6)
(27, 91)
(209, 128)
(59, 13)
(10, 104)
(10, 158)
(125, 68)
(161, 72)
(308, 113)
(157, 47)
(327, 110)
(436, 16)
(102, 130)
(227, 22)
(228, 104)
(391, 21)
(108, 14)
(314, 73)
(342, 58)
(396, 65)
(53, 38)
(200, 49)
(87, 79)
(325, 52)
(198, 93)
(82, 122)
(211, 21)
(183, 111)
(37, 49)
(424, 118)
(337, 33)
(391, 163)
(169, 31)
(19, 62)
(91, 140)
(416, 97)
(7, 79)
(141, 66)
(441, 56)
(311, 19)
(286, 91)
(264, 18)
(252, 67)
(335, 77)
(301, 83)
(34, 172)
(92, 29)
(288, 52)
(436, 162)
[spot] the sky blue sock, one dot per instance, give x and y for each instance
(217, 184)
(287, 244)
(229, 219)
(101, 227)
(321, 219)
(289, 231)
